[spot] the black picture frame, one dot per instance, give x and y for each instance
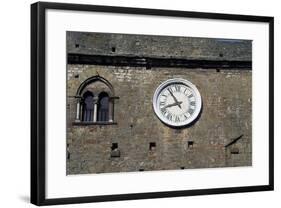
(38, 102)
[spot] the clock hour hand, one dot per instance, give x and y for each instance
(175, 99)
(173, 104)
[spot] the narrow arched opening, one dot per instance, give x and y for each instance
(103, 107)
(88, 106)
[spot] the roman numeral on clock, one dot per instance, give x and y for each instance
(190, 96)
(192, 103)
(190, 110)
(162, 103)
(169, 116)
(164, 111)
(170, 89)
(187, 115)
(178, 88)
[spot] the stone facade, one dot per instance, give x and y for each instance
(220, 137)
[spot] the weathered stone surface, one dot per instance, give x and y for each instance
(159, 46)
(226, 112)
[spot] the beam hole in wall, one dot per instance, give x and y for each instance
(221, 54)
(152, 146)
(113, 49)
(77, 45)
(141, 169)
(182, 168)
(114, 146)
(76, 76)
(234, 151)
(190, 144)
(218, 70)
(115, 152)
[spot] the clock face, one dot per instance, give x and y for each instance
(177, 102)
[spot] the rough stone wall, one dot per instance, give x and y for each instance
(226, 114)
(221, 136)
(159, 46)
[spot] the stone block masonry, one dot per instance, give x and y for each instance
(137, 140)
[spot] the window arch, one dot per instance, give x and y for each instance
(95, 101)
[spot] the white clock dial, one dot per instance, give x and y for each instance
(177, 102)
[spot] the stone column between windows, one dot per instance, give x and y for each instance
(95, 99)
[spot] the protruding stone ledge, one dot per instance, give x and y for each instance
(84, 123)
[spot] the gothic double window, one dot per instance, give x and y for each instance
(95, 101)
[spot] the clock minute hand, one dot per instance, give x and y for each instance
(173, 95)
(175, 99)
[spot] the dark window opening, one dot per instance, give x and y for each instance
(103, 107)
(88, 106)
(76, 76)
(76, 45)
(141, 169)
(221, 54)
(182, 168)
(190, 144)
(152, 146)
(113, 49)
(218, 70)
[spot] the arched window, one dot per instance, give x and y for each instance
(95, 101)
(88, 106)
(103, 107)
